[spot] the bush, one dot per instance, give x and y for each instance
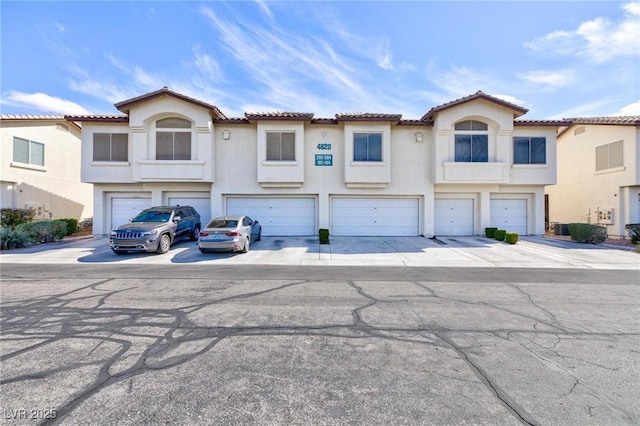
(587, 233)
(12, 238)
(499, 234)
(324, 236)
(511, 237)
(14, 217)
(490, 232)
(45, 231)
(633, 229)
(72, 225)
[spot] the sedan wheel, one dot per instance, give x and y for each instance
(164, 244)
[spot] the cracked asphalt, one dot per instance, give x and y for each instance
(247, 344)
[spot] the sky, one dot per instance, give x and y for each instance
(557, 59)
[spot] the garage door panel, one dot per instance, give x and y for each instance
(510, 215)
(201, 204)
(123, 209)
(375, 216)
(453, 216)
(278, 216)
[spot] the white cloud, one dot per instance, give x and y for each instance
(207, 65)
(599, 40)
(631, 109)
(551, 79)
(43, 102)
(265, 8)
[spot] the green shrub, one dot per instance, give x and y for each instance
(324, 236)
(45, 231)
(511, 237)
(490, 232)
(633, 230)
(587, 233)
(14, 217)
(12, 238)
(499, 234)
(72, 225)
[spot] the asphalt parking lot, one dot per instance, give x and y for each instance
(395, 331)
(530, 252)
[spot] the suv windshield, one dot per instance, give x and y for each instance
(152, 216)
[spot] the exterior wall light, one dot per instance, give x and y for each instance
(226, 134)
(418, 136)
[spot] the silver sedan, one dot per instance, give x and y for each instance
(229, 233)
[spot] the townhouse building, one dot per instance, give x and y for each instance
(40, 167)
(463, 166)
(598, 173)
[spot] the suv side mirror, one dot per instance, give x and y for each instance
(177, 219)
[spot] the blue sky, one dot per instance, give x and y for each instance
(558, 59)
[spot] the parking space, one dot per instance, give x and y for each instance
(530, 252)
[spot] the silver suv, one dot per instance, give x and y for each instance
(155, 229)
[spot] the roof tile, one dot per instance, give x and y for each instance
(478, 95)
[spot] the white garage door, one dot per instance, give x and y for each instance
(202, 206)
(453, 216)
(375, 217)
(125, 209)
(278, 216)
(510, 215)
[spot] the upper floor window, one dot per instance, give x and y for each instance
(173, 139)
(529, 150)
(610, 156)
(367, 147)
(281, 146)
(471, 141)
(28, 152)
(110, 147)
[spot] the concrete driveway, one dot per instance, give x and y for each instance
(530, 252)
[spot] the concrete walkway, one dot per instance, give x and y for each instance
(530, 252)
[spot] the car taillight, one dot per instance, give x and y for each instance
(234, 234)
(203, 234)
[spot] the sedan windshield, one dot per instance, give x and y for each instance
(218, 223)
(152, 216)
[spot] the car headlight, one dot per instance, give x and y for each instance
(113, 233)
(152, 232)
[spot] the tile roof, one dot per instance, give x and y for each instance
(95, 118)
(31, 117)
(124, 105)
(367, 116)
(518, 110)
(555, 123)
(628, 120)
(279, 115)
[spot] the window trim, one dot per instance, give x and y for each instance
(529, 150)
(483, 131)
(280, 161)
(29, 142)
(368, 160)
(173, 131)
(111, 160)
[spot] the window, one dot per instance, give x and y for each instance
(367, 147)
(610, 156)
(529, 150)
(471, 142)
(110, 147)
(281, 146)
(173, 142)
(28, 152)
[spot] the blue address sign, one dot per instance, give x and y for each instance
(324, 159)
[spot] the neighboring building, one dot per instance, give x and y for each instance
(41, 167)
(463, 166)
(598, 173)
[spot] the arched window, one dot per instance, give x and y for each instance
(471, 141)
(173, 139)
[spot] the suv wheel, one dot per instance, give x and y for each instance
(195, 233)
(164, 244)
